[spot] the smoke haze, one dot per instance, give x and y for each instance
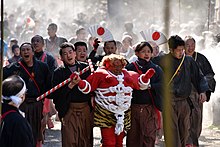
(187, 17)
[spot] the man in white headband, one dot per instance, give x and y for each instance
(14, 129)
(37, 78)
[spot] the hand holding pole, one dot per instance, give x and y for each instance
(65, 82)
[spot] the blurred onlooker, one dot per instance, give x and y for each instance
(6, 29)
(109, 48)
(81, 35)
(90, 43)
(126, 49)
(81, 19)
(134, 57)
(13, 41)
(218, 37)
(16, 51)
(5, 47)
(157, 54)
(119, 47)
(129, 31)
(53, 42)
(28, 30)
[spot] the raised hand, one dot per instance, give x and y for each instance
(96, 44)
(149, 74)
(202, 97)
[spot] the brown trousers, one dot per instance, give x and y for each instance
(179, 123)
(143, 126)
(76, 126)
(195, 120)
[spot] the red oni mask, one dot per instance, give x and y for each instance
(114, 67)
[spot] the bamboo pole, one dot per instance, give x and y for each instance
(2, 52)
(166, 88)
(209, 9)
(179, 12)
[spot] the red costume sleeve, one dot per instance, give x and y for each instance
(131, 79)
(96, 78)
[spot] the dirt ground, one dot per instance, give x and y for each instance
(210, 136)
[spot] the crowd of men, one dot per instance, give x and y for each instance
(123, 96)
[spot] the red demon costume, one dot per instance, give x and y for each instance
(113, 86)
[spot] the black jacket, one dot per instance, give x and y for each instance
(64, 96)
(49, 59)
(152, 95)
(95, 58)
(189, 74)
(207, 70)
(15, 131)
(39, 71)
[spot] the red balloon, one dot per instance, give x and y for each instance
(156, 35)
(100, 31)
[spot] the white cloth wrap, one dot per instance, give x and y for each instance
(118, 103)
(84, 90)
(143, 85)
(16, 99)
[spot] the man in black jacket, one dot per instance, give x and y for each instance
(48, 110)
(14, 129)
(184, 73)
(37, 77)
(109, 48)
(72, 105)
(206, 68)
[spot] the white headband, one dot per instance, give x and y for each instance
(16, 99)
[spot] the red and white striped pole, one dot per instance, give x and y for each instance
(65, 82)
(91, 65)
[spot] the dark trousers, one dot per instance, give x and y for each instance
(143, 126)
(179, 123)
(195, 120)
